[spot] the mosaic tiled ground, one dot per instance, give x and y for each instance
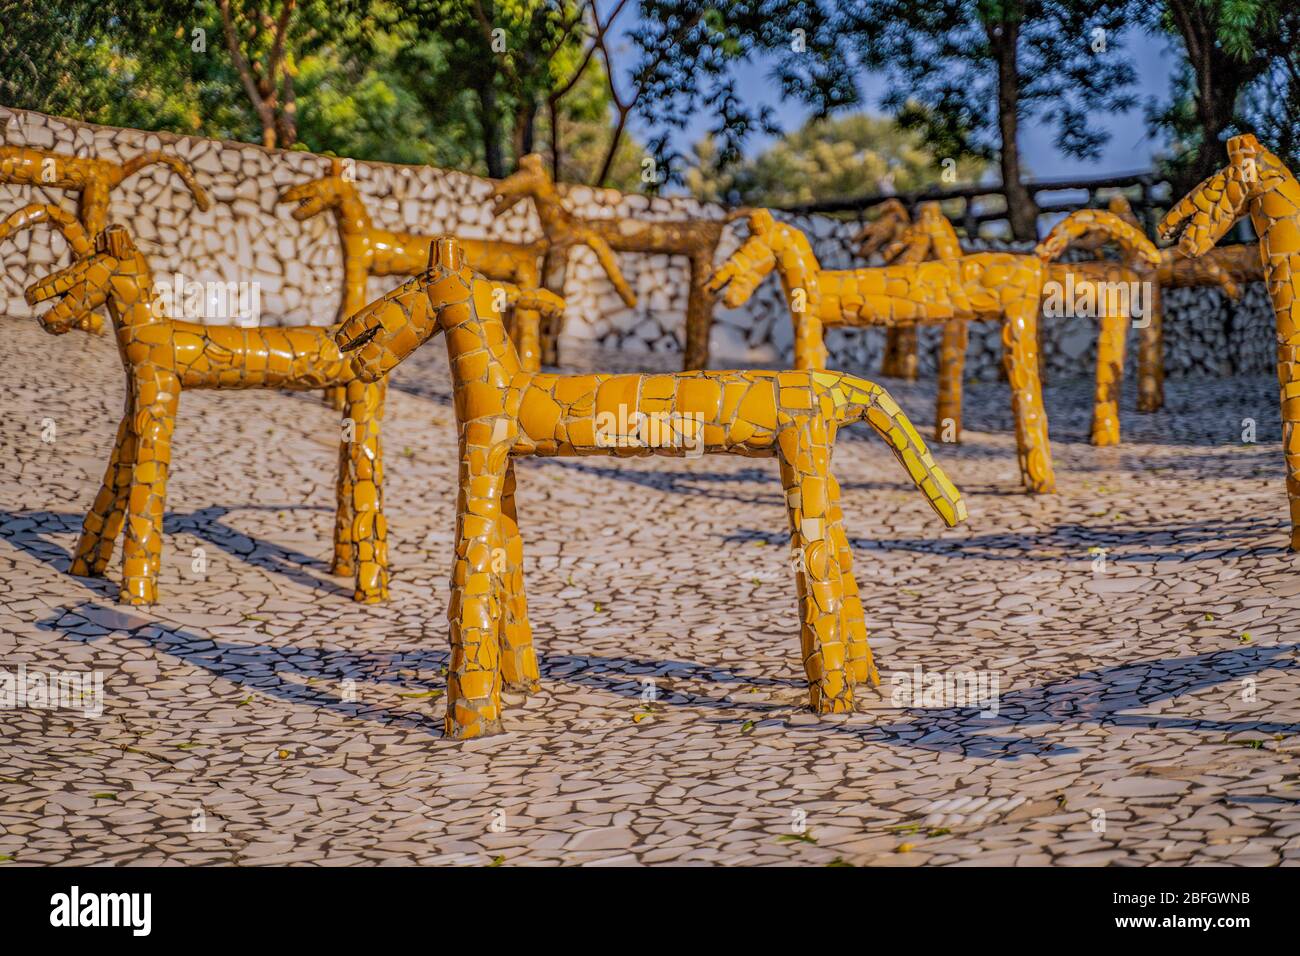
(1149, 698)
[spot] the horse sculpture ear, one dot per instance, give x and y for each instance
(760, 221)
(116, 241)
(445, 254)
(1244, 145)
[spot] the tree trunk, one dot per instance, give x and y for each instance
(615, 139)
(491, 126)
(1219, 80)
(554, 107)
(1210, 154)
(525, 128)
(1022, 211)
(287, 122)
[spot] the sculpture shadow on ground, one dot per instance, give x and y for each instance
(1100, 697)
(207, 524)
(1204, 540)
(282, 671)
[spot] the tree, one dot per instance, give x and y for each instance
(826, 159)
(83, 59)
(1241, 72)
(362, 102)
(469, 84)
(575, 134)
(965, 74)
(687, 52)
(258, 47)
(505, 52)
(524, 58)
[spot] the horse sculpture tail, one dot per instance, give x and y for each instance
(856, 399)
(1090, 222)
(177, 165)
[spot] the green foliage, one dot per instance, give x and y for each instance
(836, 158)
(1244, 77)
(943, 58)
(686, 54)
(375, 101)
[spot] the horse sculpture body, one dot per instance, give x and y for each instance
(504, 411)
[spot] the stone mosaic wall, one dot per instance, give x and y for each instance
(246, 237)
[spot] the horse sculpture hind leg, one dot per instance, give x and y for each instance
(478, 589)
(952, 368)
(360, 529)
(1109, 380)
(860, 665)
(518, 658)
(1020, 358)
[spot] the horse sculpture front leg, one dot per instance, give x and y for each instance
(518, 657)
(860, 665)
(952, 370)
(1151, 356)
(1020, 357)
(361, 534)
(1111, 336)
(475, 611)
(156, 398)
(803, 448)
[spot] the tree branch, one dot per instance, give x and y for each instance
(265, 114)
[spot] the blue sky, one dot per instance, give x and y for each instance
(1129, 150)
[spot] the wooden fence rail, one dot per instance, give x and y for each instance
(1150, 199)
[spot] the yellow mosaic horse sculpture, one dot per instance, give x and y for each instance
(989, 286)
(898, 239)
(371, 251)
(696, 239)
(162, 358)
(504, 411)
(1256, 183)
(1226, 267)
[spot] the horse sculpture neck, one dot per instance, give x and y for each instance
(335, 194)
(1275, 212)
(131, 298)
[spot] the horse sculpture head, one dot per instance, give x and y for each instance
(449, 295)
(563, 229)
(72, 232)
(331, 191)
(1084, 223)
(885, 229)
(1202, 217)
(929, 236)
(528, 181)
(770, 244)
(114, 273)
